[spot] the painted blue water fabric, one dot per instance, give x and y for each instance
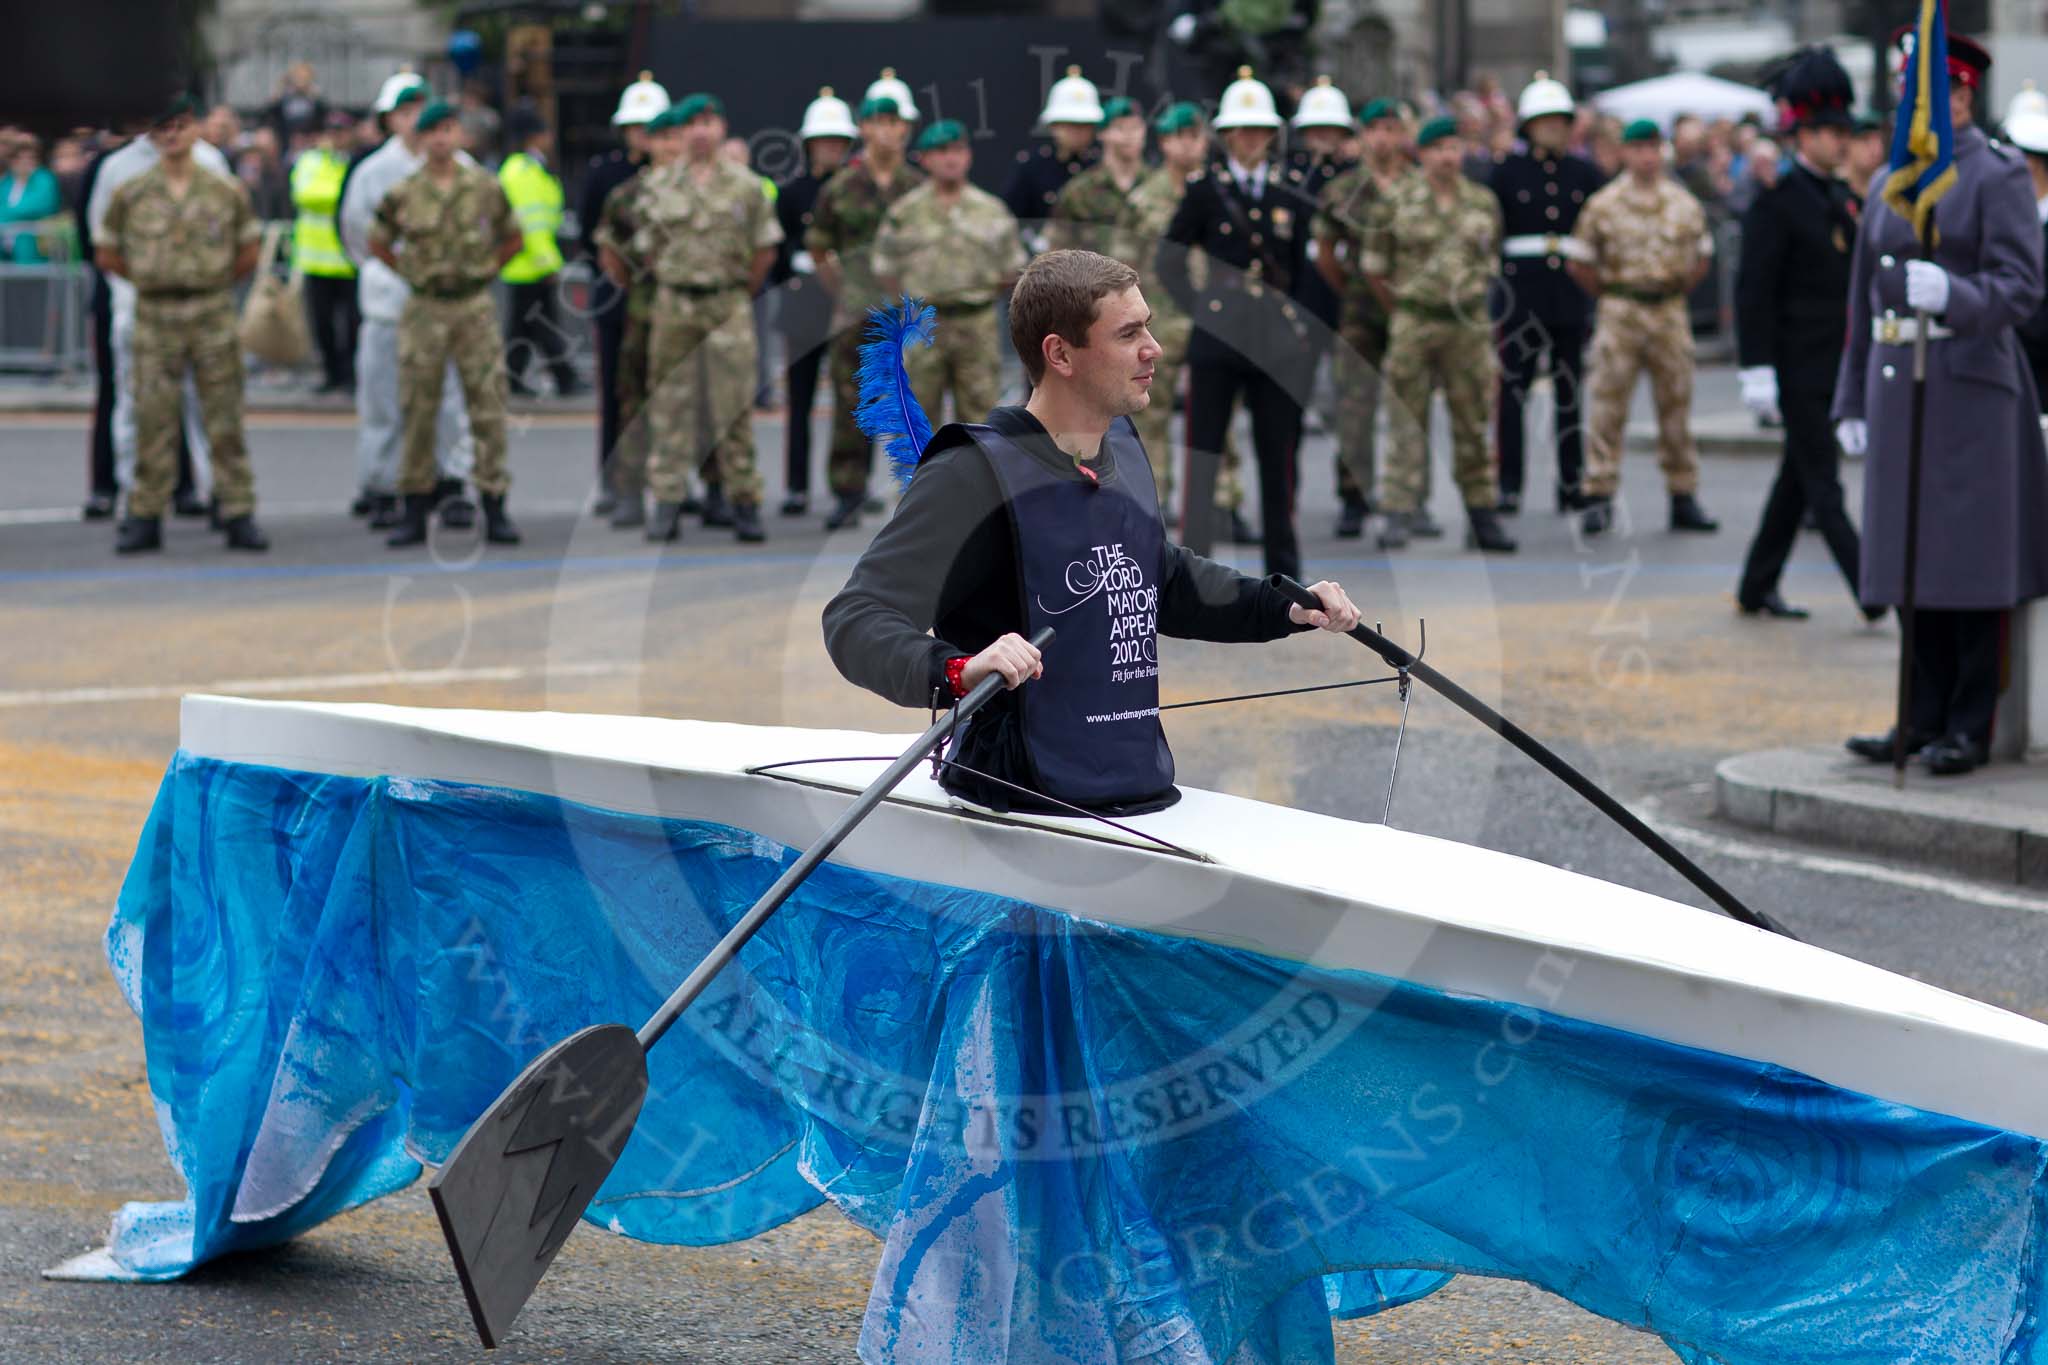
(1077, 1142)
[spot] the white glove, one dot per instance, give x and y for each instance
(802, 263)
(1926, 287)
(1852, 434)
(1759, 389)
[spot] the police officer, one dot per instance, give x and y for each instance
(955, 246)
(1792, 306)
(624, 254)
(536, 197)
(446, 230)
(638, 103)
(803, 313)
(712, 236)
(182, 235)
(1541, 311)
(1251, 333)
(841, 235)
(381, 293)
(1983, 490)
(1343, 215)
(1642, 246)
(330, 276)
(1073, 111)
(1142, 217)
(1431, 250)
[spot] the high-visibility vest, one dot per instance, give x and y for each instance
(536, 200)
(316, 193)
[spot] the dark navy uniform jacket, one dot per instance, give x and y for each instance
(1792, 295)
(1251, 307)
(1540, 196)
(1037, 179)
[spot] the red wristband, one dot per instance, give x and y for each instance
(954, 668)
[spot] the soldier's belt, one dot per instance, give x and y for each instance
(957, 310)
(1546, 244)
(1445, 312)
(451, 293)
(1638, 294)
(167, 295)
(702, 291)
(1897, 331)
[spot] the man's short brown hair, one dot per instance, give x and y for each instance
(1057, 293)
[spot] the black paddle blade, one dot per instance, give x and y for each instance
(522, 1175)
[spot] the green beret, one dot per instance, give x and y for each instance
(416, 91)
(1372, 111)
(690, 106)
(1176, 117)
(1642, 130)
(876, 106)
(944, 133)
(1120, 107)
(671, 117)
(439, 112)
(1436, 130)
(1867, 122)
(180, 106)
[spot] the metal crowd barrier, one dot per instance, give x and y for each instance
(46, 319)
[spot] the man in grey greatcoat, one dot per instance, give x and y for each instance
(1983, 474)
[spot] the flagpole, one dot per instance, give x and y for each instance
(1916, 430)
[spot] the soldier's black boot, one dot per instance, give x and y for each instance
(1394, 532)
(242, 533)
(1423, 526)
(667, 522)
(845, 512)
(1351, 521)
(746, 523)
(139, 534)
(1597, 517)
(384, 511)
(1486, 535)
(411, 527)
(457, 513)
(717, 512)
(1510, 505)
(628, 512)
(499, 528)
(1688, 515)
(796, 505)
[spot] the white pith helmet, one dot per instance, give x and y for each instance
(640, 101)
(1073, 99)
(827, 116)
(1323, 106)
(1246, 103)
(888, 87)
(1541, 96)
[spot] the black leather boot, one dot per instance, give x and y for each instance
(384, 511)
(746, 523)
(139, 534)
(628, 512)
(242, 533)
(1597, 518)
(667, 522)
(411, 527)
(717, 512)
(1486, 535)
(845, 512)
(1688, 515)
(1351, 521)
(499, 528)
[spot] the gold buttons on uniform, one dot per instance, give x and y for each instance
(1215, 305)
(1256, 239)
(1550, 212)
(1551, 188)
(1223, 228)
(1522, 195)
(1887, 262)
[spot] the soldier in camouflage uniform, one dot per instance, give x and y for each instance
(1432, 247)
(709, 235)
(1345, 210)
(956, 247)
(447, 230)
(621, 257)
(842, 232)
(1644, 246)
(183, 236)
(1092, 212)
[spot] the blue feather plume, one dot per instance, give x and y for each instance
(889, 412)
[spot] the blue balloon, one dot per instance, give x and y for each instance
(465, 49)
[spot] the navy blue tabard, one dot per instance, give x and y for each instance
(1089, 561)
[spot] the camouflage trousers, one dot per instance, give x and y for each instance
(852, 458)
(1425, 354)
(173, 336)
(1359, 358)
(431, 333)
(629, 385)
(1628, 338)
(700, 393)
(965, 360)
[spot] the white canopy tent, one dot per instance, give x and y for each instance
(1664, 98)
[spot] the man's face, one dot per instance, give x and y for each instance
(1382, 139)
(1867, 152)
(947, 165)
(1247, 146)
(827, 154)
(1549, 132)
(443, 140)
(884, 131)
(665, 148)
(1323, 141)
(1443, 159)
(1824, 147)
(1113, 372)
(1124, 138)
(1072, 138)
(1643, 159)
(402, 120)
(174, 137)
(1184, 150)
(636, 139)
(702, 136)
(222, 126)
(1687, 136)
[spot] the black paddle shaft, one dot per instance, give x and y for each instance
(750, 923)
(1399, 658)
